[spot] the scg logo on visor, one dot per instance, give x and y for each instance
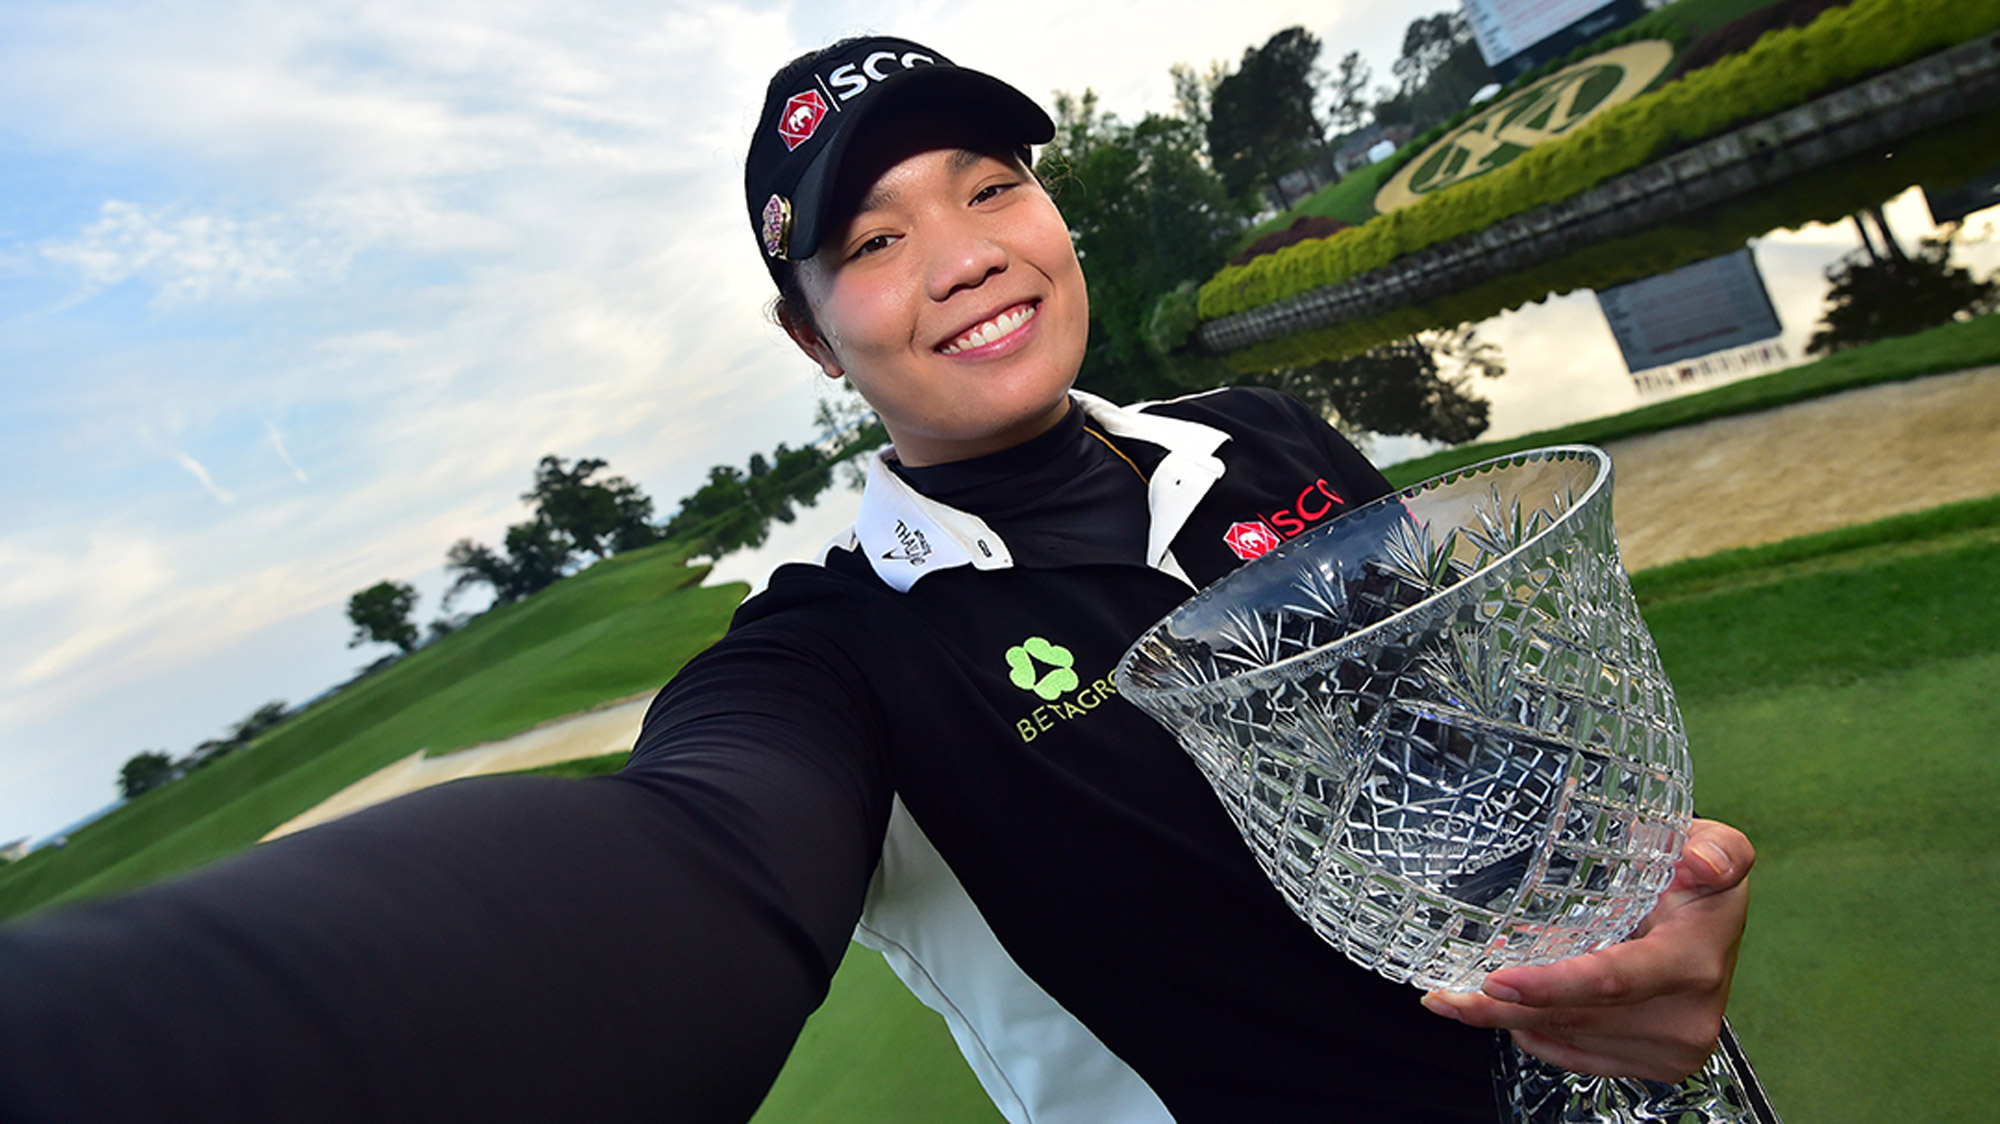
(849, 81)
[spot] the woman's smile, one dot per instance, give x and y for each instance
(993, 337)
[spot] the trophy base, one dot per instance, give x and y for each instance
(1725, 1091)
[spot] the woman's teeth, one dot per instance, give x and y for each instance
(991, 330)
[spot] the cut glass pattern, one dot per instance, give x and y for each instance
(1439, 722)
(1724, 1091)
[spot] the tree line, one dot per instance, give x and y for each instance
(1155, 207)
(579, 516)
(152, 768)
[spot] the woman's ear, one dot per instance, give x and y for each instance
(808, 339)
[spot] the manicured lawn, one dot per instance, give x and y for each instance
(873, 1053)
(1847, 720)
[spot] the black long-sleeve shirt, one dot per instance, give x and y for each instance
(918, 733)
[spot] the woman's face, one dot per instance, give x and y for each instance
(952, 298)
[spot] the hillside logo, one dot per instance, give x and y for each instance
(1546, 111)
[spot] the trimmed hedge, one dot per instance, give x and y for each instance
(1351, 199)
(1783, 69)
(1828, 195)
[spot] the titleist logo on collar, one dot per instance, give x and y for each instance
(914, 548)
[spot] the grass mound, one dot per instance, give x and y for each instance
(623, 626)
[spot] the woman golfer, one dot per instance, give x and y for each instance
(914, 742)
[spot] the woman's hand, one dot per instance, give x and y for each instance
(1649, 1007)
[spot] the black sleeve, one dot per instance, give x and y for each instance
(641, 946)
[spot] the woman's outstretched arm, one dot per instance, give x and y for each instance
(508, 948)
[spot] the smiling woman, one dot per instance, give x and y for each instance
(914, 741)
(950, 296)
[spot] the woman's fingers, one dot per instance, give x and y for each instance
(1648, 1007)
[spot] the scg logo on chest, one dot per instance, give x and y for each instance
(1259, 536)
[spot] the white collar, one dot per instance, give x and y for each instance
(906, 535)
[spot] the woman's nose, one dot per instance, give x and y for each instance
(964, 261)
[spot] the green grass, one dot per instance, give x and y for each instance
(1350, 199)
(1963, 523)
(1950, 347)
(1867, 977)
(1839, 696)
(623, 626)
(873, 1053)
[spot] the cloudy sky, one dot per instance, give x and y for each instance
(293, 293)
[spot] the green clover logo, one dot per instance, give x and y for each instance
(1021, 660)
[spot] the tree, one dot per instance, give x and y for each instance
(474, 563)
(572, 513)
(599, 517)
(735, 508)
(537, 556)
(1418, 386)
(1146, 214)
(381, 615)
(1193, 92)
(1347, 106)
(1439, 71)
(1878, 292)
(1261, 122)
(721, 515)
(258, 721)
(146, 772)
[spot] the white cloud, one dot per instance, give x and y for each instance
(284, 454)
(194, 257)
(197, 470)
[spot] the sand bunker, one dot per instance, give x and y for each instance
(606, 729)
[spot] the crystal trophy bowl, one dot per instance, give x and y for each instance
(1439, 721)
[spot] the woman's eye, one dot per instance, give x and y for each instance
(872, 245)
(991, 190)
